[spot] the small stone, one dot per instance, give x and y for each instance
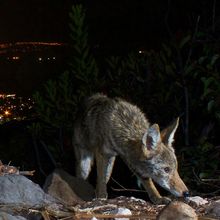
(177, 211)
(123, 211)
(214, 209)
(197, 200)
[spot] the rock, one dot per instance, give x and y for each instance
(197, 200)
(213, 209)
(177, 211)
(68, 188)
(18, 194)
(17, 189)
(123, 211)
(58, 188)
(6, 216)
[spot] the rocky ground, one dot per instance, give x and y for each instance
(140, 209)
(66, 197)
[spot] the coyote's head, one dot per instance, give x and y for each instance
(159, 161)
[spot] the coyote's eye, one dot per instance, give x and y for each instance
(167, 169)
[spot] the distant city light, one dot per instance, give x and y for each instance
(141, 51)
(9, 95)
(7, 112)
(28, 46)
(6, 45)
(14, 108)
(15, 58)
(40, 58)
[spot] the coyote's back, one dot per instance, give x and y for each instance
(108, 127)
(108, 123)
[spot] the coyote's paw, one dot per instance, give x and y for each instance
(101, 192)
(162, 200)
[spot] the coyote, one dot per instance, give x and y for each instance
(108, 127)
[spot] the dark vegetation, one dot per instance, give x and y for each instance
(181, 79)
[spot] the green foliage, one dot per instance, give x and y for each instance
(151, 76)
(123, 73)
(197, 70)
(55, 104)
(211, 83)
(84, 70)
(55, 107)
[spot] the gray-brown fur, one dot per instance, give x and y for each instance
(108, 127)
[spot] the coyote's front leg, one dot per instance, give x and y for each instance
(104, 165)
(153, 193)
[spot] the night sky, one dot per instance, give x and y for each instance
(34, 20)
(47, 20)
(113, 25)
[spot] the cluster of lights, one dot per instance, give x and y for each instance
(142, 51)
(46, 58)
(40, 59)
(13, 58)
(14, 108)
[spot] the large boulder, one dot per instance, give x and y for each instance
(7, 216)
(19, 195)
(69, 189)
(17, 189)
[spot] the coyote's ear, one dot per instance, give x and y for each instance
(151, 138)
(167, 134)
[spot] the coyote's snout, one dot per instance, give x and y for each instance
(108, 127)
